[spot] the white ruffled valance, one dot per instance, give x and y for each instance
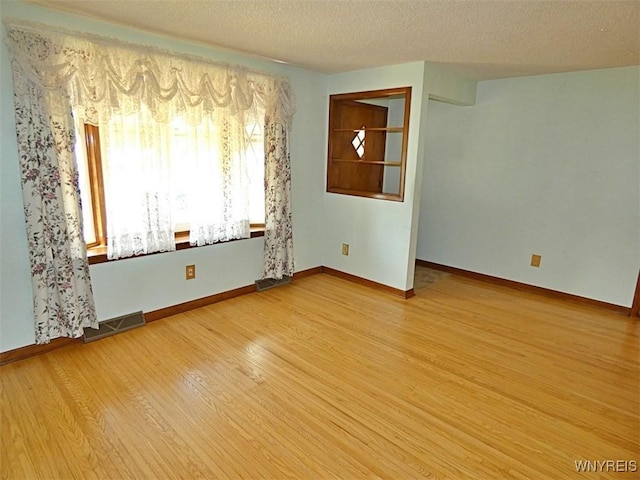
(110, 77)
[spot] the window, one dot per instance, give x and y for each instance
(144, 182)
(368, 143)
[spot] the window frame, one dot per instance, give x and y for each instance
(96, 183)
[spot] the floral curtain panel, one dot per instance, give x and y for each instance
(278, 233)
(71, 72)
(62, 297)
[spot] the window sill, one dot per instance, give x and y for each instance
(99, 254)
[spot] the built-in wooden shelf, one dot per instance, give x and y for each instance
(368, 162)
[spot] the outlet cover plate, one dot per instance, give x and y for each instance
(190, 272)
(535, 260)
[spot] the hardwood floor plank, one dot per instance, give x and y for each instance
(324, 378)
(342, 388)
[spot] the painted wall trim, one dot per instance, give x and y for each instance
(369, 283)
(27, 351)
(635, 306)
(197, 303)
(58, 343)
(218, 297)
(525, 287)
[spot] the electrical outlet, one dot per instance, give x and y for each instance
(190, 272)
(535, 260)
(345, 249)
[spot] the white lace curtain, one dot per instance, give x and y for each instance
(183, 175)
(137, 193)
(57, 72)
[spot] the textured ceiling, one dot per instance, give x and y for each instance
(483, 39)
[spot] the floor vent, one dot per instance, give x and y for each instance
(107, 328)
(267, 283)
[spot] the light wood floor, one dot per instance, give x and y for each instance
(327, 379)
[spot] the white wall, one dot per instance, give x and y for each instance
(157, 281)
(548, 165)
(381, 233)
(16, 312)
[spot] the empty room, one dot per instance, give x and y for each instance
(320, 239)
